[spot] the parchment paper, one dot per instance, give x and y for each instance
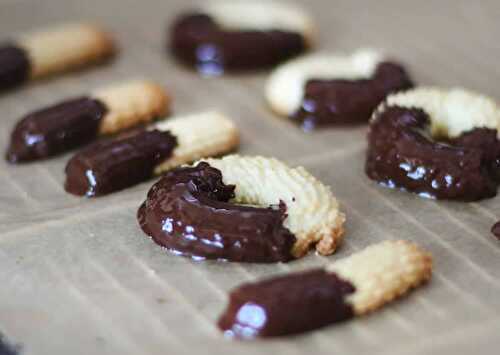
(78, 276)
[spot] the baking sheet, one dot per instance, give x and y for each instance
(78, 276)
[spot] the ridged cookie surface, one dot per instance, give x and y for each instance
(131, 103)
(198, 136)
(383, 272)
(313, 212)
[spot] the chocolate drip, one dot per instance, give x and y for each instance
(14, 66)
(331, 102)
(188, 212)
(197, 40)
(56, 129)
(285, 305)
(114, 164)
(401, 153)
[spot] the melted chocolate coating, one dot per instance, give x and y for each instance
(14, 66)
(496, 230)
(188, 212)
(114, 164)
(402, 154)
(331, 102)
(197, 40)
(287, 305)
(55, 129)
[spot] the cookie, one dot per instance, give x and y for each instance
(383, 272)
(325, 89)
(237, 208)
(240, 35)
(203, 135)
(438, 143)
(52, 51)
(301, 302)
(131, 103)
(115, 164)
(77, 121)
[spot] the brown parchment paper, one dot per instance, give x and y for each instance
(78, 277)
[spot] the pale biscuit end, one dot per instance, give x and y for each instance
(286, 84)
(198, 136)
(383, 272)
(452, 112)
(66, 47)
(131, 104)
(313, 212)
(261, 15)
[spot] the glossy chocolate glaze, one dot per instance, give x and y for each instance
(197, 40)
(188, 212)
(402, 154)
(55, 129)
(496, 230)
(288, 304)
(333, 102)
(114, 164)
(14, 66)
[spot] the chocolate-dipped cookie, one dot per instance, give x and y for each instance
(77, 121)
(300, 302)
(437, 143)
(52, 51)
(250, 209)
(239, 35)
(327, 89)
(117, 163)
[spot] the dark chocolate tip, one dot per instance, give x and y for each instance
(188, 211)
(347, 102)
(403, 154)
(284, 305)
(55, 129)
(6, 348)
(496, 230)
(115, 164)
(198, 41)
(14, 66)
